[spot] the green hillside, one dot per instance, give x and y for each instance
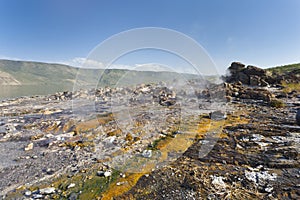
(284, 69)
(31, 73)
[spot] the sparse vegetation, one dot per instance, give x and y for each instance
(289, 87)
(284, 68)
(276, 103)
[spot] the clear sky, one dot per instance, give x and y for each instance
(259, 32)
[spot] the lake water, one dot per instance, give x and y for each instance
(7, 92)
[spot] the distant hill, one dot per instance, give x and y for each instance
(32, 73)
(38, 73)
(49, 78)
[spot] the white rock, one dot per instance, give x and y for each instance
(119, 183)
(37, 196)
(218, 182)
(145, 89)
(29, 147)
(71, 185)
(107, 173)
(49, 190)
(269, 189)
(147, 153)
(260, 178)
(28, 193)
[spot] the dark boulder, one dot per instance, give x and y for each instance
(236, 67)
(254, 80)
(298, 117)
(243, 78)
(252, 70)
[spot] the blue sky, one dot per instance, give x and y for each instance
(260, 32)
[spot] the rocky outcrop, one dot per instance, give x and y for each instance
(239, 91)
(249, 75)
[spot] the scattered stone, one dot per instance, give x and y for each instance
(107, 173)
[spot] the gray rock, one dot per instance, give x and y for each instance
(217, 115)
